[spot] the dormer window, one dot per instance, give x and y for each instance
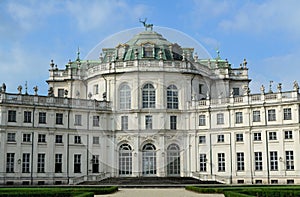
(148, 50)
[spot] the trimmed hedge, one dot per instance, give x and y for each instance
(235, 194)
(204, 190)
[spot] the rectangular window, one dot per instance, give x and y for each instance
(288, 135)
(236, 91)
(58, 139)
(77, 163)
(42, 138)
(258, 161)
(58, 163)
(59, 118)
(12, 116)
(200, 88)
(42, 117)
(287, 114)
(238, 117)
(96, 89)
(60, 93)
(256, 116)
(11, 137)
(202, 121)
(272, 135)
(95, 165)
(240, 161)
(289, 160)
(10, 162)
(220, 138)
(256, 136)
(221, 162)
(148, 122)
(173, 122)
(77, 139)
(26, 163)
(202, 162)
(41, 163)
(239, 137)
(220, 118)
(95, 140)
(202, 139)
(78, 120)
(96, 120)
(271, 115)
(26, 137)
(124, 123)
(273, 160)
(27, 116)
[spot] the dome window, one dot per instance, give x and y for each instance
(148, 50)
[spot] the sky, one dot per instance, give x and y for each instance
(32, 32)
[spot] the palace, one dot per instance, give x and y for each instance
(149, 107)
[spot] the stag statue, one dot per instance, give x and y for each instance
(146, 25)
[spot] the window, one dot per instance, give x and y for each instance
(236, 91)
(274, 181)
(287, 114)
(240, 161)
(41, 163)
(60, 92)
(78, 120)
(200, 88)
(221, 162)
(42, 117)
(12, 116)
(173, 122)
(95, 140)
(238, 117)
(288, 135)
(220, 118)
(95, 164)
(58, 163)
(27, 116)
(125, 97)
(273, 161)
(256, 116)
(96, 120)
(59, 118)
(258, 161)
(11, 137)
(77, 163)
(26, 163)
(290, 181)
(124, 123)
(26, 137)
(148, 96)
(10, 162)
(96, 89)
(77, 139)
(239, 137)
(125, 159)
(272, 135)
(58, 139)
(271, 115)
(173, 160)
(289, 160)
(148, 122)
(148, 50)
(257, 136)
(42, 138)
(220, 138)
(202, 120)
(202, 162)
(172, 97)
(202, 139)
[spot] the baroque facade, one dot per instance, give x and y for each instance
(149, 107)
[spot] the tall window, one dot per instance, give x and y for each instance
(41, 163)
(236, 91)
(257, 136)
(202, 121)
(11, 137)
(149, 159)
(273, 160)
(172, 97)
(60, 92)
(78, 121)
(202, 139)
(287, 114)
(27, 116)
(96, 120)
(42, 117)
(148, 122)
(148, 50)
(272, 135)
(77, 139)
(10, 162)
(173, 160)
(58, 163)
(220, 138)
(289, 160)
(288, 135)
(26, 137)
(200, 88)
(148, 96)
(258, 161)
(202, 162)
(96, 140)
(124, 123)
(125, 97)
(59, 118)
(96, 89)
(240, 161)
(221, 162)
(42, 138)
(26, 163)
(220, 118)
(77, 163)
(238, 117)
(256, 116)
(239, 137)
(95, 164)
(125, 159)
(271, 115)
(173, 122)
(12, 116)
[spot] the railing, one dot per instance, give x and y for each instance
(210, 177)
(98, 177)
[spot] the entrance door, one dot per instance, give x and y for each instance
(149, 159)
(125, 160)
(173, 160)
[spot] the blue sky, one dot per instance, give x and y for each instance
(266, 33)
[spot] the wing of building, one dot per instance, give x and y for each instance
(149, 107)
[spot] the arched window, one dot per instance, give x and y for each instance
(148, 95)
(172, 97)
(149, 159)
(125, 97)
(125, 159)
(173, 160)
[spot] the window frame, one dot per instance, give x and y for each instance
(271, 115)
(202, 120)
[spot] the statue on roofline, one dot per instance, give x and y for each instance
(146, 25)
